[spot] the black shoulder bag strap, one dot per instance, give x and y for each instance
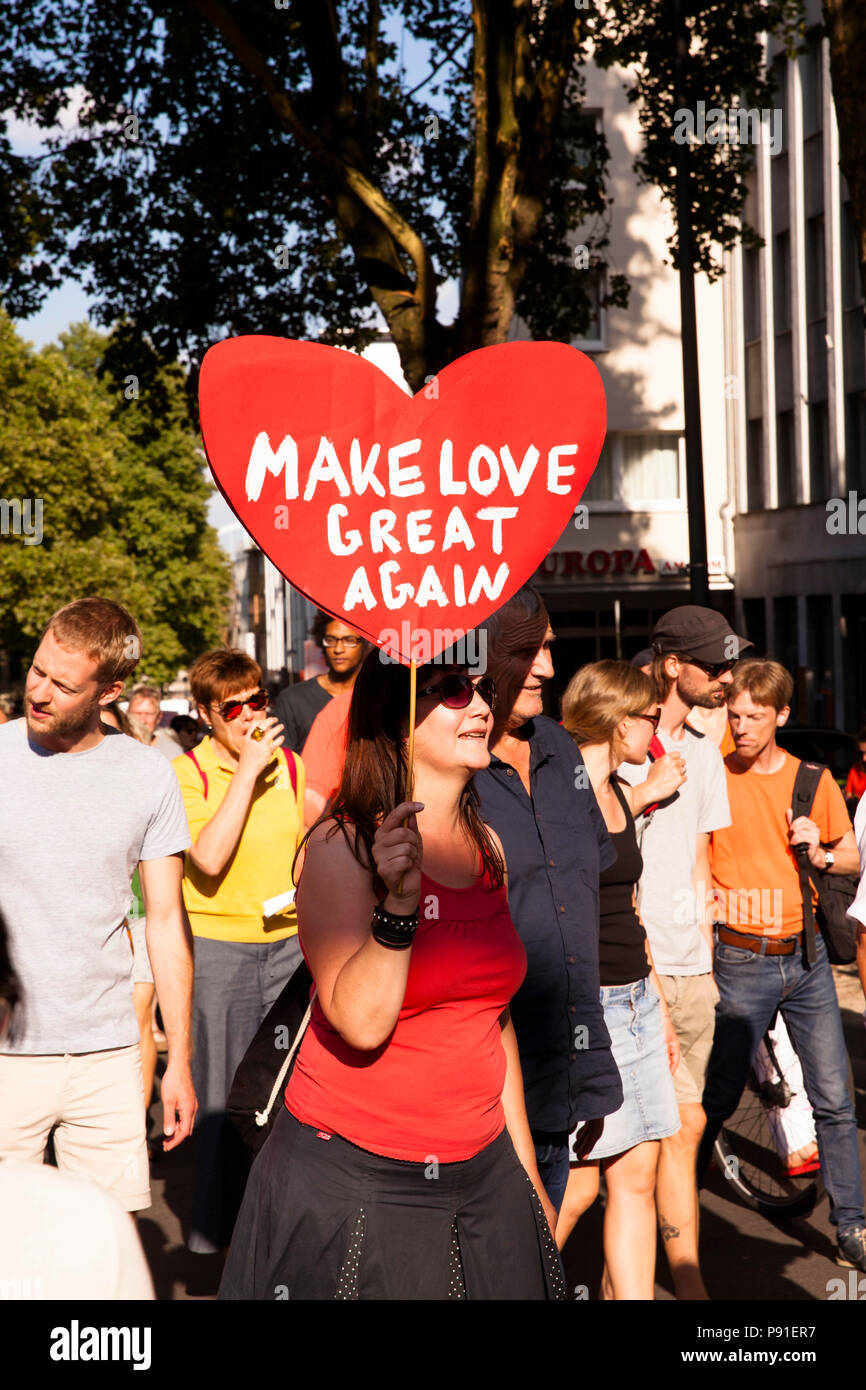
(805, 787)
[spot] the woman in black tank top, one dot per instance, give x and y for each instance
(611, 712)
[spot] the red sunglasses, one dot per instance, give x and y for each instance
(230, 709)
(456, 691)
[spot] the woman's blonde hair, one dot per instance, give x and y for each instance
(600, 696)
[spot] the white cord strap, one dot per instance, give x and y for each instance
(262, 1116)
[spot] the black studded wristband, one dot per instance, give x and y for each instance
(393, 930)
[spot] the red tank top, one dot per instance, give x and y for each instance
(435, 1087)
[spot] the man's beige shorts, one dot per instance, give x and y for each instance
(96, 1102)
(691, 1001)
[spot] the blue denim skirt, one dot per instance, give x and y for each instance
(649, 1108)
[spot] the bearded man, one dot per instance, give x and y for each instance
(81, 807)
(695, 652)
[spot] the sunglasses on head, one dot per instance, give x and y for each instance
(653, 718)
(457, 690)
(713, 669)
(230, 709)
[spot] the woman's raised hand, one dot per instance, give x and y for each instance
(665, 775)
(397, 853)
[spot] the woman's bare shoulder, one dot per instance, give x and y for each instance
(336, 842)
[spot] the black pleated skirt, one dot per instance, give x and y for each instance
(323, 1219)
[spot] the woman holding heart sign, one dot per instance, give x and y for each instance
(402, 1166)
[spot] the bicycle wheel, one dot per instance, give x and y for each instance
(747, 1155)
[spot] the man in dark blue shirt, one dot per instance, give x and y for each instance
(537, 796)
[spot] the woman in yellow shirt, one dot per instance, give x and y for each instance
(242, 791)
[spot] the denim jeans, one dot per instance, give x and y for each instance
(551, 1155)
(752, 986)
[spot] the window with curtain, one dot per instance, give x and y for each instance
(600, 486)
(650, 468)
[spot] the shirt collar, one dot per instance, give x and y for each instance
(212, 757)
(540, 746)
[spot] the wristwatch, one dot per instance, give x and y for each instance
(829, 860)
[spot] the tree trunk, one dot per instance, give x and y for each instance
(846, 30)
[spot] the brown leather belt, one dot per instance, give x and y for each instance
(762, 945)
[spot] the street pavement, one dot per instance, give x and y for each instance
(744, 1256)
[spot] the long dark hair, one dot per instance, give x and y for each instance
(375, 767)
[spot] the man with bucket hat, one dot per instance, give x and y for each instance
(694, 652)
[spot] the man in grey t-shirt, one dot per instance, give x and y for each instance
(694, 653)
(82, 806)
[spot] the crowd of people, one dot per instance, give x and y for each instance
(543, 958)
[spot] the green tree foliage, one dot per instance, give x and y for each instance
(262, 167)
(124, 500)
(239, 166)
(723, 68)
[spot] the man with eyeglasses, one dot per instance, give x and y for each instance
(694, 653)
(296, 707)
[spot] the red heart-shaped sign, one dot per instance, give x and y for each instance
(411, 519)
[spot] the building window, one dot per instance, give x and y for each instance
(650, 468)
(780, 100)
(639, 470)
(755, 623)
(782, 281)
(596, 285)
(819, 451)
(755, 465)
(810, 77)
(855, 439)
(600, 486)
(785, 459)
(751, 295)
(852, 288)
(816, 300)
(582, 131)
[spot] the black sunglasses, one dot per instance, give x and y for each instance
(713, 669)
(457, 690)
(230, 709)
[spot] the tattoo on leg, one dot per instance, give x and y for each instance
(667, 1229)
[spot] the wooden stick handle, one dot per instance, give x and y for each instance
(410, 761)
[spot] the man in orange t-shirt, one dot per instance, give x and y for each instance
(323, 756)
(760, 962)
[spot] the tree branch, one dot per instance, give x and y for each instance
(340, 171)
(433, 71)
(371, 63)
